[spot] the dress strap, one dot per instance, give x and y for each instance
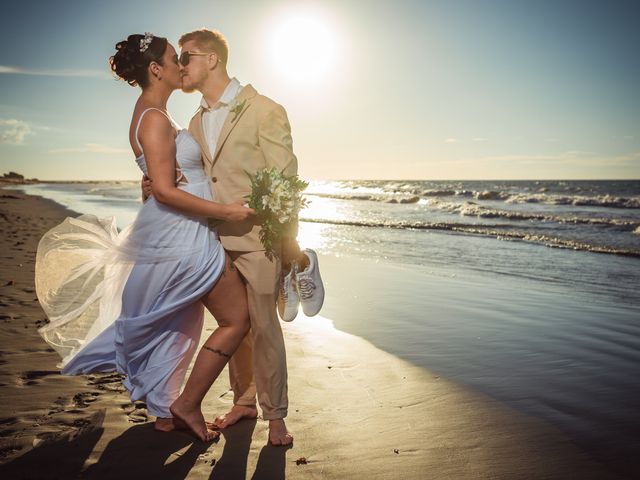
(173, 124)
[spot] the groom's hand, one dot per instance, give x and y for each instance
(291, 253)
(145, 184)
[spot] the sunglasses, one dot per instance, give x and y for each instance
(186, 56)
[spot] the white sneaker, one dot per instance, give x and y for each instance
(288, 299)
(310, 287)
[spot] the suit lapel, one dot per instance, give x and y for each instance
(245, 95)
(195, 128)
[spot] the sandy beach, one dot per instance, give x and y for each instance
(356, 411)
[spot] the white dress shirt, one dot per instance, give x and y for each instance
(213, 117)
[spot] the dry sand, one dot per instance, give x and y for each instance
(356, 411)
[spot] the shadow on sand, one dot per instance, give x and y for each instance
(233, 462)
(60, 456)
(141, 452)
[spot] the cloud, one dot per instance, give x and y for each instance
(91, 148)
(480, 139)
(7, 69)
(451, 140)
(13, 131)
(629, 158)
(571, 157)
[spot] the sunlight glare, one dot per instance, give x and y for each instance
(302, 47)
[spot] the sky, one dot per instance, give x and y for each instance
(449, 89)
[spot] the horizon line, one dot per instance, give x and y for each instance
(38, 180)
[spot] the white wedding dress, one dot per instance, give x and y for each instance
(130, 301)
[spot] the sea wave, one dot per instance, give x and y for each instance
(500, 232)
(414, 194)
(610, 201)
(120, 192)
(472, 209)
(377, 197)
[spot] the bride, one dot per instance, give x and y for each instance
(133, 302)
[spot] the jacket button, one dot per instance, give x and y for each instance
(214, 179)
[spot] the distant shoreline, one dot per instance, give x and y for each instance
(5, 181)
(35, 181)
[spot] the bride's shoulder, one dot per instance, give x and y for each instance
(154, 128)
(153, 119)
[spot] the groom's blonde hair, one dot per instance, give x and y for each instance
(208, 40)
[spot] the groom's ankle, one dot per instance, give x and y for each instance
(273, 416)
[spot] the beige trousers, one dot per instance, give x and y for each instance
(260, 362)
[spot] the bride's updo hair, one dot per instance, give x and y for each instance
(131, 65)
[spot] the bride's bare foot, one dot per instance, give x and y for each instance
(237, 412)
(191, 418)
(171, 424)
(164, 424)
(278, 433)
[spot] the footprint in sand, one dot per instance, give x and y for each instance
(9, 451)
(58, 406)
(84, 399)
(111, 382)
(68, 431)
(41, 323)
(36, 350)
(136, 411)
(8, 421)
(34, 377)
(139, 415)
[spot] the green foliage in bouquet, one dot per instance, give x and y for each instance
(277, 200)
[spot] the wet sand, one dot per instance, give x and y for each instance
(356, 411)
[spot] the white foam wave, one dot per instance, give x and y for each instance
(576, 200)
(494, 231)
(471, 209)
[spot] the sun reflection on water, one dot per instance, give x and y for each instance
(314, 236)
(319, 236)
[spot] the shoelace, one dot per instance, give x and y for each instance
(284, 289)
(283, 294)
(306, 287)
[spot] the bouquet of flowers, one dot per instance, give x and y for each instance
(277, 200)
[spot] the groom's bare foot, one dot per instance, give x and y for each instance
(237, 412)
(278, 433)
(192, 418)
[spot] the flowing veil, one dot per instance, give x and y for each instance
(80, 274)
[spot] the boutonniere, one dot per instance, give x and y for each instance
(237, 109)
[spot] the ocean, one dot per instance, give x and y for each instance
(527, 291)
(432, 223)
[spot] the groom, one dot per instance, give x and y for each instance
(240, 132)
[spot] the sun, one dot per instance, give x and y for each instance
(301, 47)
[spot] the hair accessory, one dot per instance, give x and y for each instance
(146, 41)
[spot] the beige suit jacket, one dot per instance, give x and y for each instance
(258, 136)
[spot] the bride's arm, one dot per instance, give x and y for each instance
(157, 139)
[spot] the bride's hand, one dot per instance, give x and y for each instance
(238, 211)
(146, 187)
